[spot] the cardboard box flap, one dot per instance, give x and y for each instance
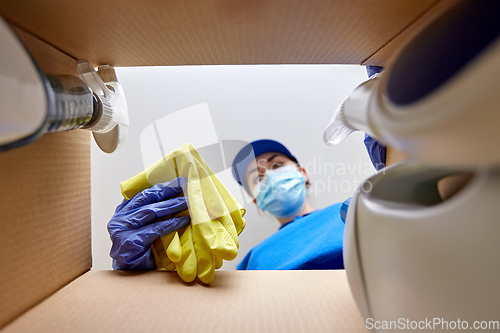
(382, 56)
(200, 32)
(238, 301)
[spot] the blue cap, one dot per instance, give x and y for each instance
(254, 149)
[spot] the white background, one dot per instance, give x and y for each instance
(289, 103)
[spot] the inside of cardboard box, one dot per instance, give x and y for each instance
(46, 213)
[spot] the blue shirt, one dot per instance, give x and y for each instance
(313, 241)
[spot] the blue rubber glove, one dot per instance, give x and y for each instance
(131, 228)
(343, 209)
(372, 70)
(376, 151)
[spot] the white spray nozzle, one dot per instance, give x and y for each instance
(353, 114)
(111, 130)
(339, 128)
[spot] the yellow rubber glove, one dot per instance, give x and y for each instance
(216, 217)
(236, 211)
(191, 258)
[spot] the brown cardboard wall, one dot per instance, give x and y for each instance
(45, 240)
(209, 32)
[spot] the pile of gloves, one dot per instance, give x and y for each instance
(180, 207)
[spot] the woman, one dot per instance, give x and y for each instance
(307, 238)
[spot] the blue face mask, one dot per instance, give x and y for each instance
(282, 192)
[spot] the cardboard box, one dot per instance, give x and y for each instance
(46, 280)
